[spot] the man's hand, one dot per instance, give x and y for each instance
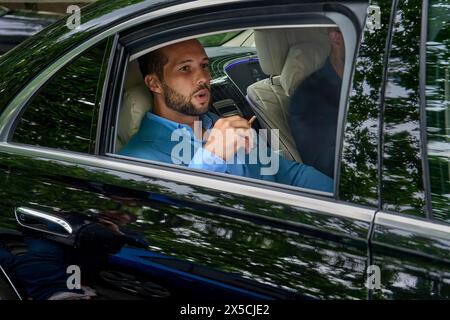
(229, 135)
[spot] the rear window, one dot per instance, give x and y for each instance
(62, 114)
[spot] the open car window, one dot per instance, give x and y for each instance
(218, 39)
(288, 86)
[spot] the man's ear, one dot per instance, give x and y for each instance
(152, 82)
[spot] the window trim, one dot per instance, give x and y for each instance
(414, 224)
(238, 180)
(111, 77)
(346, 86)
(423, 111)
(101, 92)
(340, 19)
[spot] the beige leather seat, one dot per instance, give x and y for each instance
(288, 56)
(137, 100)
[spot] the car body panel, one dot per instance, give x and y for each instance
(215, 236)
(230, 233)
(412, 256)
(411, 252)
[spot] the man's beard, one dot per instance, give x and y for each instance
(179, 103)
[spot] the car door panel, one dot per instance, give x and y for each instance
(412, 256)
(303, 251)
(208, 236)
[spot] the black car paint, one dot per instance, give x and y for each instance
(351, 270)
(419, 269)
(273, 245)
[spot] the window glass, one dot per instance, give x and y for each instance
(278, 85)
(217, 39)
(438, 106)
(402, 190)
(62, 114)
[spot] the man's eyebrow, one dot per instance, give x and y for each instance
(190, 60)
(185, 61)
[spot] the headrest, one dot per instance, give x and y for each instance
(273, 45)
(137, 100)
(134, 75)
(302, 60)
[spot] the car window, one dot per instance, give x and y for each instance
(218, 39)
(438, 106)
(278, 85)
(402, 189)
(62, 114)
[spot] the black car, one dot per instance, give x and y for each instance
(18, 25)
(80, 220)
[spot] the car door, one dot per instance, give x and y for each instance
(190, 233)
(411, 234)
(264, 209)
(59, 117)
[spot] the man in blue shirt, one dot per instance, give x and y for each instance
(314, 107)
(179, 79)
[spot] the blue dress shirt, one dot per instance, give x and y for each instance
(159, 139)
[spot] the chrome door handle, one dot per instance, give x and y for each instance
(41, 221)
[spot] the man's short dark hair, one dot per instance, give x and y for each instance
(153, 62)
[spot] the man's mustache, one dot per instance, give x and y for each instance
(201, 87)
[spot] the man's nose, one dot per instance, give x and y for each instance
(203, 76)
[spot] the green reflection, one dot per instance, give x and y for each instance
(438, 105)
(62, 113)
(402, 188)
(359, 171)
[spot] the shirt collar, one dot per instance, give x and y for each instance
(157, 126)
(206, 119)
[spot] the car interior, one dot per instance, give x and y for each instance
(254, 73)
(288, 56)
